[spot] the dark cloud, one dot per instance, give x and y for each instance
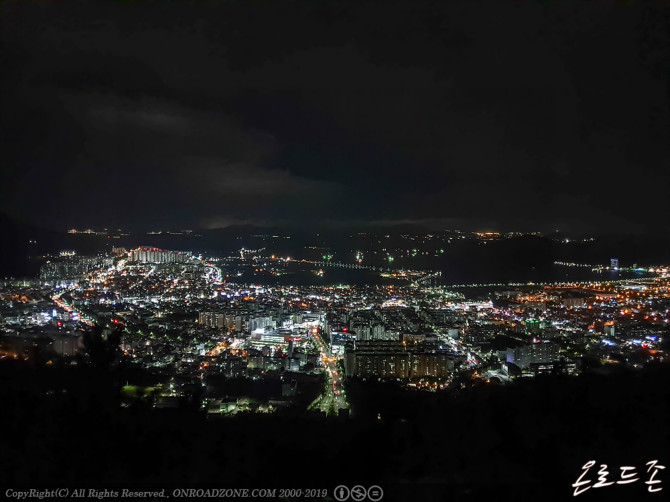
(515, 115)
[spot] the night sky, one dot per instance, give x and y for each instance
(474, 115)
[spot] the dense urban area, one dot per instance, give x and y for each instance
(334, 251)
(196, 333)
(371, 356)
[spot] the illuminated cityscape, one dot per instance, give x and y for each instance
(218, 335)
(335, 251)
(182, 315)
(334, 335)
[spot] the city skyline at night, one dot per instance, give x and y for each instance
(375, 250)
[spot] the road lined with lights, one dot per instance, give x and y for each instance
(333, 398)
(69, 308)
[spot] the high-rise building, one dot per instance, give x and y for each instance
(155, 255)
(377, 332)
(235, 320)
(261, 322)
(397, 359)
(212, 319)
(543, 352)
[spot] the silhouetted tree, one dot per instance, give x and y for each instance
(102, 345)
